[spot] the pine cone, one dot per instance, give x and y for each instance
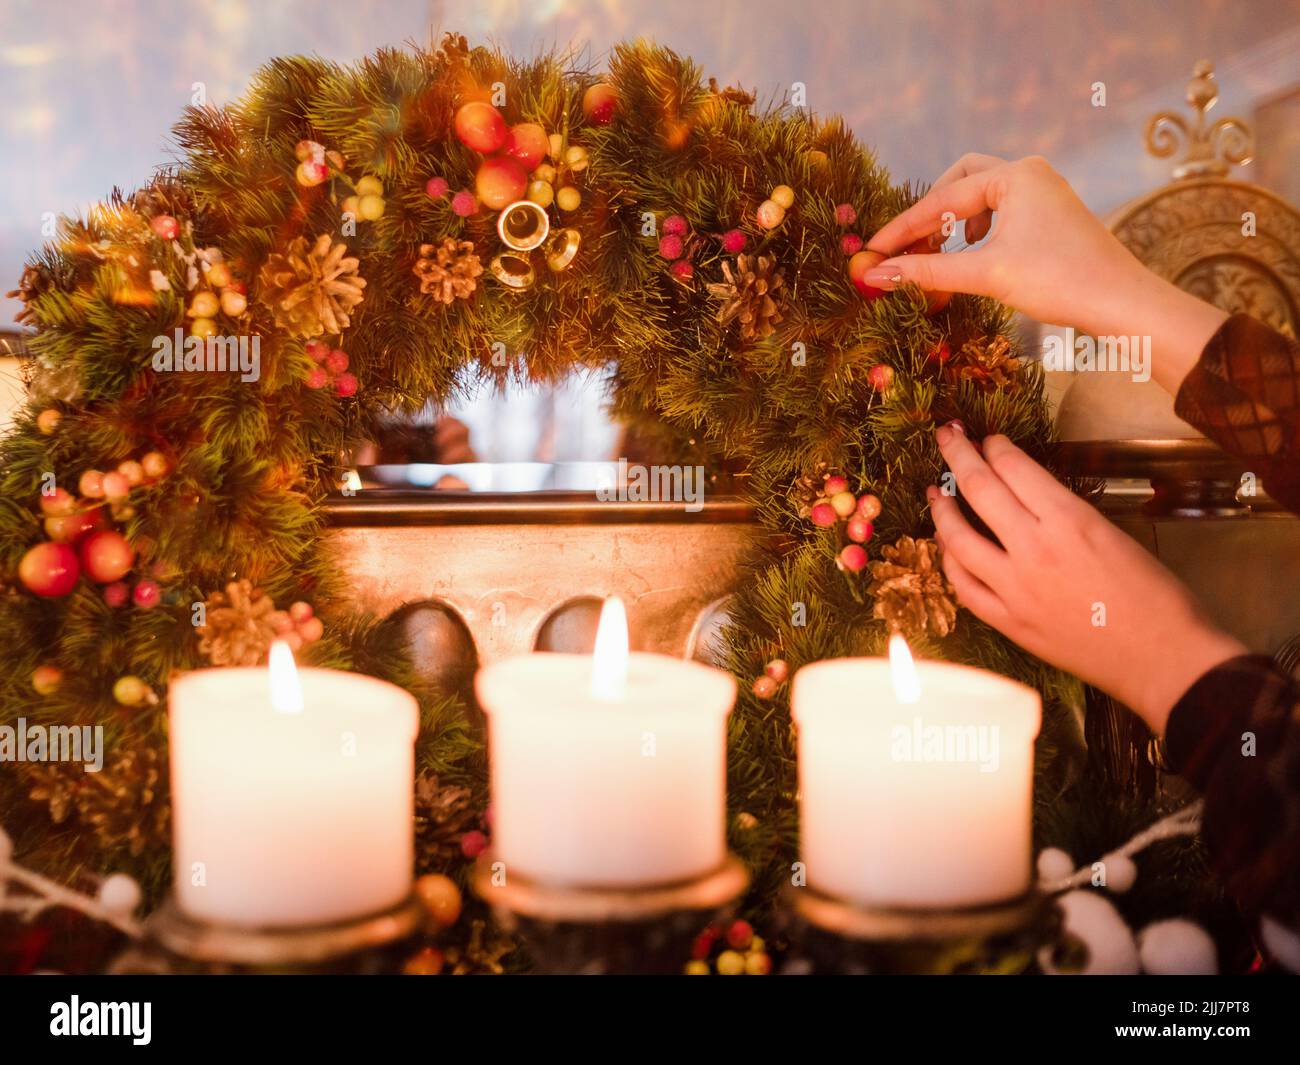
(312, 290)
(912, 594)
(166, 195)
(988, 361)
(240, 625)
(808, 487)
(754, 295)
(35, 282)
(482, 953)
(454, 49)
(732, 95)
(125, 803)
(442, 816)
(448, 271)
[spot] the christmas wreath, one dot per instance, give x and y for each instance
(381, 235)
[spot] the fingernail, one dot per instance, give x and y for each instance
(943, 434)
(958, 426)
(932, 493)
(883, 276)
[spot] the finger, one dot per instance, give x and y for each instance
(964, 271)
(977, 225)
(961, 198)
(970, 163)
(974, 594)
(1038, 491)
(975, 552)
(986, 492)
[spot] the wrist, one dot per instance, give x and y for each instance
(1180, 667)
(1135, 302)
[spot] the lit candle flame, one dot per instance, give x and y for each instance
(609, 657)
(286, 691)
(907, 685)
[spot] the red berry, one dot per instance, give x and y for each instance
(859, 530)
(336, 361)
(464, 203)
(116, 486)
(850, 244)
(528, 144)
(500, 181)
(869, 506)
(940, 353)
(146, 594)
(740, 934)
(317, 350)
(734, 241)
(106, 556)
(58, 503)
(823, 514)
(473, 843)
(859, 264)
(436, 188)
(91, 484)
(480, 126)
(49, 570)
(675, 226)
(116, 594)
(46, 679)
(778, 669)
(702, 947)
(846, 214)
(834, 485)
(345, 385)
(301, 611)
(852, 558)
(880, 377)
(682, 270)
(764, 687)
(318, 377)
(165, 226)
(599, 103)
(671, 247)
(311, 630)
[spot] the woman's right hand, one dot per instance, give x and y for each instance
(1047, 256)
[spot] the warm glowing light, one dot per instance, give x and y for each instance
(609, 658)
(286, 691)
(907, 685)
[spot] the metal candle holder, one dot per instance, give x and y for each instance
(838, 936)
(582, 930)
(175, 942)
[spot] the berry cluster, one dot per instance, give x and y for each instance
(742, 953)
(331, 368)
(837, 505)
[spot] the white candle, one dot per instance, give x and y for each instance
(607, 770)
(915, 783)
(292, 803)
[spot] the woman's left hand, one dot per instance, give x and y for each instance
(1066, 584)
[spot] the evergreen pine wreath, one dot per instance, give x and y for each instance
(833, 384)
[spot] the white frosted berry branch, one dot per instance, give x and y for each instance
(1184, 822)
(118, 898)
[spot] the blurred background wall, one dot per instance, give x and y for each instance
(90, 89)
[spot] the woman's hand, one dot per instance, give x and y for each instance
(1066, 584)
(1048, 256)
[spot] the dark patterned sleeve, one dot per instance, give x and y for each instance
(1235, 736)
(1244, 394)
